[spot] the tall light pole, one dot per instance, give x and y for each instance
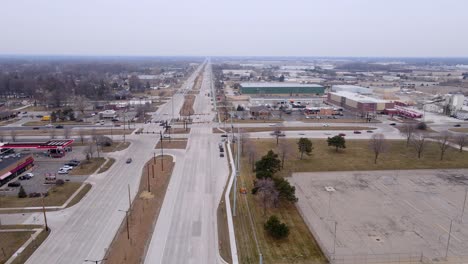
(45, 216)
(162, 150)
(126, 217)
(448, 240)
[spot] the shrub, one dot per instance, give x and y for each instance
(275, 228)
(59, 182)
(421, 126)
(22, 193)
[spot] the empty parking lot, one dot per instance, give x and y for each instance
(386, 212)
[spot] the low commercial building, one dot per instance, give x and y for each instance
(358, 103)
(281, 88)
(12, 165)
(107, 114)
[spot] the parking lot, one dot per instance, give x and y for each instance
(379, 213)
(42, 166)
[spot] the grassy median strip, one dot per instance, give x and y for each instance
(88, 167)
(143, 214)
(10, 242)
(266, 129)
(107, 165)
(173, 144)
(80, 195)
(459, 129)
(116, 146)
(58, 195)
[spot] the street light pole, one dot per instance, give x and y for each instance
(162, 150)
(45, 216)
(126, 217)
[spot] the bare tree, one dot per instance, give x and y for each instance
(268, 193)
(52, 133)
(277, 132)
(461, 140)
(81, 103)
(283, 151)
(251, 152)
(243, 139)
(378, 145)
(66, 132)
(81, 134)
(90, 149)
(13, 134)
(93, 135)
(408, 130)
(418, 141)
(443, 140)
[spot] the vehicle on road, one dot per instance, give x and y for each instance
(221, 155)
(59, 126)
(342, 134)
(224, 135)
(272, 125)
(49, 125)
(129, 160)
(325, 125)
(370, 131)
(357, 132)
(393, 124)
(166, 136)
(14, 184)
(302, 134)
(35, 128)
(457, 125)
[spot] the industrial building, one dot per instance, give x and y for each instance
(351, 88)
(281, 88)
(358, 103)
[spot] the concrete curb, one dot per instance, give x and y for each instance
(232, 237)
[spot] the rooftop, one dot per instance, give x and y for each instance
(278, 85)
(359, 97)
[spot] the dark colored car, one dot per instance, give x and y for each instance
(393, 124)
(129, 160)
(35, 128)
(14, 184)
(341, 134)
(370, 131)
(457, 125)
(224, 135)
(357, 132)
(221, 155)
(59, 126)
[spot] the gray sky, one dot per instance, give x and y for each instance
(241, 27)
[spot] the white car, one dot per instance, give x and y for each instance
(67, 167)
(326, 125)
(49, 125)
(166, 136)
(272, 125)
(30, 175)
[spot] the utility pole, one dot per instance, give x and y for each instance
(129, 199)
(147, 173)
(334, 241)
(45, 216)
(448, 240)
(162, 150)
(464, 204)
(126, 217)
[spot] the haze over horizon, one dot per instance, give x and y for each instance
(358, 28)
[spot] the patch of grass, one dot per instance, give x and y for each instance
(358, 156)
(80, 195)
(264, 129)
(88, 167)
(10, 121)
(299, 247)
(20, 226)
(116, 146)
(58, 195)
(459, 129)
(223, 228)
(107, 165)
(338, 120)
(28, 251)
(174, 144)
(10, 242)
(43, 123)
(255, 121)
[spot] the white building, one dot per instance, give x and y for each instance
(351, 88)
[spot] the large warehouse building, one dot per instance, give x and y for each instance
(358, 103)
(281, 88)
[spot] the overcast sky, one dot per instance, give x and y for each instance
(387, 28)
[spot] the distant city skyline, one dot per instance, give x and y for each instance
(321, 28)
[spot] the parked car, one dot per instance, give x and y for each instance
(129, 160)
(62, 171)
(73, 163)
(34, 194)
(14, 184)
(26, 176)
(67, 167)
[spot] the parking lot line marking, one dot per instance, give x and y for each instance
(412, 206)
(446, 231)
